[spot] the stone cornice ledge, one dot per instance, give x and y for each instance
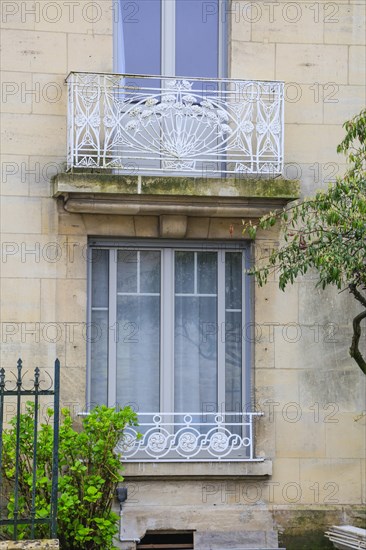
(144, 195)
(191, 470)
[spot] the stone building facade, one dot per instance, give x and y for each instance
(310, 442)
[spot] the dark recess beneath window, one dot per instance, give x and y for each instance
(168, 541)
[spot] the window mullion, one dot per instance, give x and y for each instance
(245, 361)
(88, 324)
(138, 270)
(167, 332)
(195, 287)
(113, 330)
(168, 38)
(221, 330)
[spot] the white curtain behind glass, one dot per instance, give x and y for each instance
(195, 354)
(98, 328)
(138, 318)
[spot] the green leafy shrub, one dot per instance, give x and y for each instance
(88, 474)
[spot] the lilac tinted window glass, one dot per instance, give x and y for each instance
(197, 42)
(140, 25)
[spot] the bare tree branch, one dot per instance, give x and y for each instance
(354, 349)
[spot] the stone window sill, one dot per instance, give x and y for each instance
(191, 470)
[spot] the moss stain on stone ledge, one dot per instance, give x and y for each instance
(312, 540)
(221, 187)
(304, 529)
(105, 184)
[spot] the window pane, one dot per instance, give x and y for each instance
(233, 279)
(127, 271)
(197, 343)
(138, 352)
(149, 271)
(100, 274)
(184, 272)
(98, 338)
(207, 272)
(195, 354)
(233, 361)
(140, 29)
(196, 54)
(233, 331)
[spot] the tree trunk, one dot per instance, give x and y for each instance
(354, 349)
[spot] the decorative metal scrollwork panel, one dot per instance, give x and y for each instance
(200, 127)
(198, 437)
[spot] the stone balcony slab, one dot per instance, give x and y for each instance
(145, 195)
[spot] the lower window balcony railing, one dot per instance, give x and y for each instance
(146, 125)
(195, 437)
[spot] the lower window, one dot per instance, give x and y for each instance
(167, 327)
(168, 336)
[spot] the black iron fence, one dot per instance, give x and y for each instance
(16, 389)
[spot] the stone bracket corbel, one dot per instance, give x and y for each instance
(172, 227)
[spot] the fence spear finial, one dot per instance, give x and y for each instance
(2, 378)
(36, 376)
(19, 366)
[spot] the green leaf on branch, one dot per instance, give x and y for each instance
(326, 232)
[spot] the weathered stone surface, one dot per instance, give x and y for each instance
(217, 540)
(251, 62)
(349, 27)
(335, 480)
(90, 52)
(173, 227)
(103, 183)
(24, 50)
(198, 470)
(18, 134)
(146, 226)
(357, 61)
(308, 63)
(320, 137)
(29, 545)
(20, 303)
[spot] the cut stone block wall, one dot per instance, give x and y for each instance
(304, 380)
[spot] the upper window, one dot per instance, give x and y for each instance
(171, 37)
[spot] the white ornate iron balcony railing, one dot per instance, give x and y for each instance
(195, 437)
(150, 125)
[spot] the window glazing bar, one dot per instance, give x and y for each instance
(245, 363)
(112, 322)
(168, 38)
(221, 330)
(167, 331)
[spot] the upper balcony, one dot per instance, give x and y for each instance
(155, 125)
